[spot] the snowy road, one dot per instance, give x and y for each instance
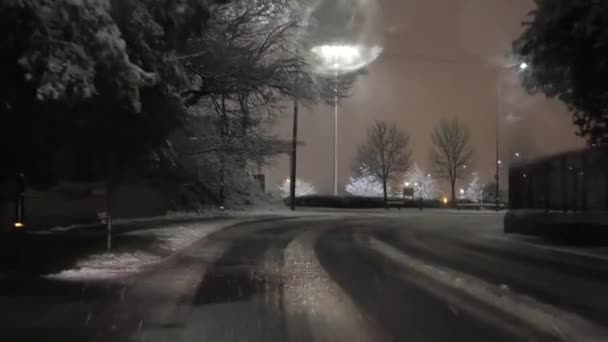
(405, 276)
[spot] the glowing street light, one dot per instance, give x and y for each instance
(342, 38)
(521, 67)
(343, 58)
(339, 59)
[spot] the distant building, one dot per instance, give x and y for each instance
(572, 181)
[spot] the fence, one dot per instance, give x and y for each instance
(575, 181)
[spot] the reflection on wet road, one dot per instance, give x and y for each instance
(341, 278)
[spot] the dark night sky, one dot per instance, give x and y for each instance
(442, 58)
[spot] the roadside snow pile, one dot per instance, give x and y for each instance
(167, 241)
(107, 265)
(176, 238)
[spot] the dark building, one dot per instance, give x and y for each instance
(573, 181)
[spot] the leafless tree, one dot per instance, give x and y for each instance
(385, 152)
(244, 69)
(452, 152)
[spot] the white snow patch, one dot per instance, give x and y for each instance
(107, 265)
(542, 316)
(178, 237)
(311, 293)
(112, 265)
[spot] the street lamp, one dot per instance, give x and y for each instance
(521, 67)
(341, 59)
(342, 38)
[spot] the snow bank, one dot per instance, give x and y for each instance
(174, 238)
(561, 324)
(107, 266)
(116, 264)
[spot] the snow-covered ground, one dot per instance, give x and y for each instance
(550, 319)
(169, 240)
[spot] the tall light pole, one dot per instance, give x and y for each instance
(335, 60)
(522, 66)
(294, 151)
(336, 99)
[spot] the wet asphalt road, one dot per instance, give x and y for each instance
(363, 277)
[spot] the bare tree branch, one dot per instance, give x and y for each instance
(451, 152)
(385, 152)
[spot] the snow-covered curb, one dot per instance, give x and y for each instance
(171, 239)
(551, 320)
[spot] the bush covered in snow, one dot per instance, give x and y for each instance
(424, 185)
(474, 191)
(365, 184)
(303, 188)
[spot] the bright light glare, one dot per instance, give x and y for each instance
(462, 191)
(445, 200)
(407, 184)
(523, 66)
(337, 52)
(344, 58)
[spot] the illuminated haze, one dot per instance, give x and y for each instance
(441, 59)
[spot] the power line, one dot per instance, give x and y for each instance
(435, 60)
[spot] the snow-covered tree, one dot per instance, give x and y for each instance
(303, 188)
(474, 191)
(365, 184)
(424, 185)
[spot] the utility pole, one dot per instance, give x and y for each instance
(336, 99)
(498, 117)
(294, 153)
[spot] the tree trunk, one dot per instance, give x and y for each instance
(385, 193)
(224, 121)
(109, 198)
(453, 185)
